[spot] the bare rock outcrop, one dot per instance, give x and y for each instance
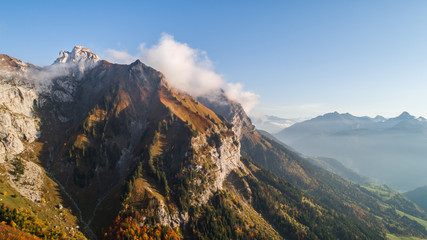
(18, 123)
(30, 183)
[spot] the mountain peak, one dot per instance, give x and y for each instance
(137, 62)
(405, 116)
(78, 55)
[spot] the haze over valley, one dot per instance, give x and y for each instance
(391, 151)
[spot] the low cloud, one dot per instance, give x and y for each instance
(41, 78)
(186, 69)
(248, 99)
(119, 56)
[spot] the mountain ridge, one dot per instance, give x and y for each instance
(389, 140)
(125, 155)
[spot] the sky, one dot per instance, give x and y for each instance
(292, 59)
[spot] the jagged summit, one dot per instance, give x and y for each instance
(78, 55)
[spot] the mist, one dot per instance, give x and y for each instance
(391, 152)
(67, 64)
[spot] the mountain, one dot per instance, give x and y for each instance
(128, 139)
(95, 150)
(366, 203)
(272, 124)
(418, 196)
(387, 150)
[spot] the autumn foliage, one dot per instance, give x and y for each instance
(129, 228)
(24, 221)
(8, 232)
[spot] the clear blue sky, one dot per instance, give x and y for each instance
(303, 58)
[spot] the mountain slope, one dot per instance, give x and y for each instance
(32, 202)
(359, 203)
(418, 196)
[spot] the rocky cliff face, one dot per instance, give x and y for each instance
(18, 122)
(225, 157)
(232, 111)
(21, 95)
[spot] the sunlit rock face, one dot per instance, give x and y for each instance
(18, 122)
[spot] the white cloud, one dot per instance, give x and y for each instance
(248, 99)
(186, 69)
(119, 56)
(42, 78)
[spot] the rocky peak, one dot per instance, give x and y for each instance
(67, 71)
(79, 55)
(232, 111)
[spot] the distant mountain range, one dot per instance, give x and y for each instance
(390, 150)
(272, 124)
